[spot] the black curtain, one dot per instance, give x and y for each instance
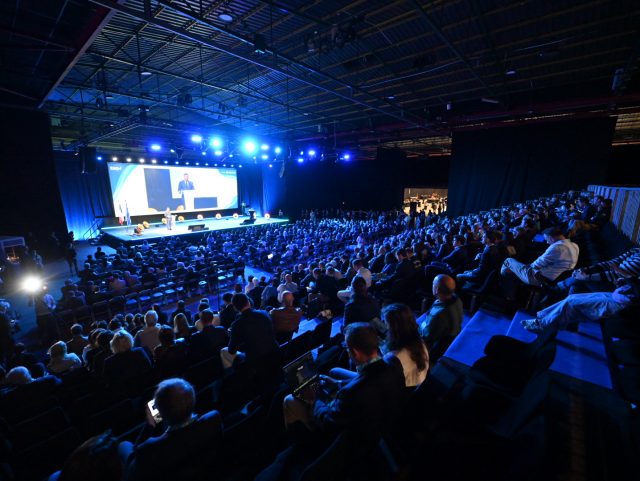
(494, 167)
(273, 189)
(29, 195)
(250, 187)
(85, 197)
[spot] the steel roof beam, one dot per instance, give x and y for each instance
(204, 41)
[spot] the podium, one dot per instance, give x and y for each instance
(189, 196)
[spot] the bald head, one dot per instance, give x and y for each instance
(287, 299)
(443, 286)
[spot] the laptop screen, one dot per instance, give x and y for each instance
(300, 371)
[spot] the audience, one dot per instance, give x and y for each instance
(148, 337)
(78, 341)
(127, 362)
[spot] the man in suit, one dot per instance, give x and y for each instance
(251, 334)
(489, 260)
(208, 342)
(187, 446)
(368, 403)
(228, 313)
(185, 184)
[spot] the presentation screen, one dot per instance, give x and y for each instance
(146, 189)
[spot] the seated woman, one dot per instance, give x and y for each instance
(403, 342)
(181, 327)
(62, 361)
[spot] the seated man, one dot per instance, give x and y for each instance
(251, 333)
(368, 404)
(560, 256)
(489, 259)
(362, 307)
(207, 342)
(591, 306)
(602, 276)
(287, 285)
(179, 449)
(286, 319)
(444, 320)
(360, 270)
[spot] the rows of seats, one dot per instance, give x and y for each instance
(82, 406)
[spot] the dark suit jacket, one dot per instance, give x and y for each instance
(252, 333)
(227, 316)
(361, 309)
(490, 260)
(179, 454)
(369, 404)
(403, 271)
(457, 259)
(207, 343)
(126, 365)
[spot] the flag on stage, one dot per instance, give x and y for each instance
(120, 214)
(126, 205)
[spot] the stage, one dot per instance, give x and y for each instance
(125, 234)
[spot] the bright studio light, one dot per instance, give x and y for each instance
(156, 147)
(346, 156)
(300, 160)
(216, 142)
(196, 138)
(218, 153)
(32, 284)
(249, 147)
(312, 153)
(264, 156)
(277, 150)
(264, 146)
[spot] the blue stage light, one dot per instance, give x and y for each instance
(141, 160)
(204, 152)
(264, 156)
(197, 163)
(218, 153)
(166, 162)
(128, 159)
(231, 156)
(270, 166)
(115, 159)
(154, 161)
(277, 150)
(196, 138)
(240, 165)
(99, 157)
(173, 151)
(216, 142)
(346, 156)
(249, 147)
(264, 146)
(302, 152)
(300, 160)
(156, 147)
(177, 163)
(312, 153)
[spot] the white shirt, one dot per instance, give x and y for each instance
(560, 256)
(412, 377)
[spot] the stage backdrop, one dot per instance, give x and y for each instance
(85, 197)
(494, 167)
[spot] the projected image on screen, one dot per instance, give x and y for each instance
(147, 189)
(425, 199)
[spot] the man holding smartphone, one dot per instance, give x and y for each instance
(170, 455)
